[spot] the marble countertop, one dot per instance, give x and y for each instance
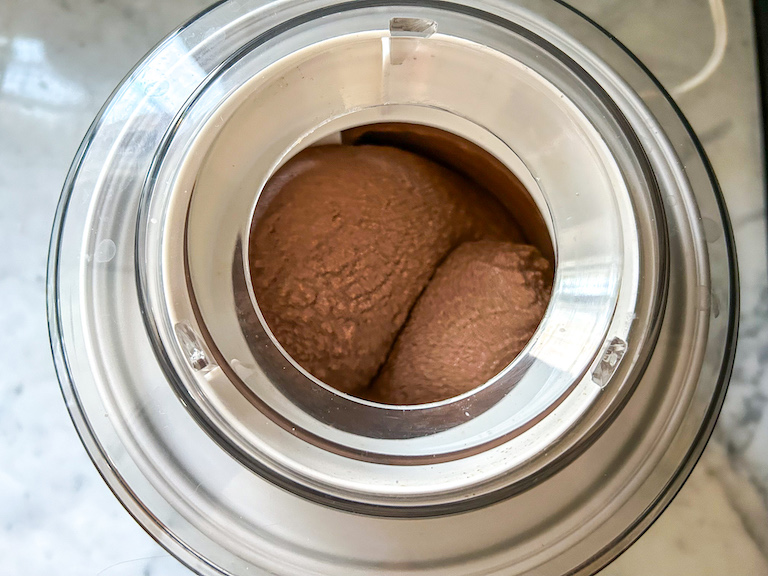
(60, 59)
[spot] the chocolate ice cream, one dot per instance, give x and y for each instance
(347, 243)
(476, 314)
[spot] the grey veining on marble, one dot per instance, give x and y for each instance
(60, 59)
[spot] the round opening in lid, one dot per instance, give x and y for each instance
(399, 263)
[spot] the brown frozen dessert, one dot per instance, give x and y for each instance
(476, 314)
(346, 240)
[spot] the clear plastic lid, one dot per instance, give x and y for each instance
(236, 458)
